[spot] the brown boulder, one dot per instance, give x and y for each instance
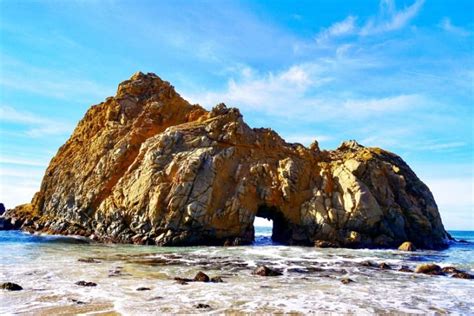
(201, 277)
(429, 268)
(407, 246)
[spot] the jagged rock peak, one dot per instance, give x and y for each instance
(143, 85)
(147, 167)
(350, 145)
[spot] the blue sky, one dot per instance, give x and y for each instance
(393, 74)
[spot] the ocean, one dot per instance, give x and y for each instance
(47, 267)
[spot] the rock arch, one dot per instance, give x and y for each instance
(147, 167)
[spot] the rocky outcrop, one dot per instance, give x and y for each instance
(407, 246)
(147, 167)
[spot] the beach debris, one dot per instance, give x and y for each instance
(266, 271)
(9, 286)
(407, 246)
(85, 283)
(429, 268)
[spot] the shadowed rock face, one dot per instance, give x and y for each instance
(147, 167)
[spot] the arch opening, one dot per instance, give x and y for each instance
(280, 229)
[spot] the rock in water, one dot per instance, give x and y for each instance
(324, 244)
(201, 277)
(463, 275)
(429, 268)
(266, 271)
(9, 286)
(143, 289)
(85, 283)
(346, 281)
(407, 246)
(145, 166)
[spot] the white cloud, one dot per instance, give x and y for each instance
(344, 27)
(290, 93)
(446, 25)
(389, 19)
(36, 126)
(267, 92)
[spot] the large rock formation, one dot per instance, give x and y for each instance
(147, 167)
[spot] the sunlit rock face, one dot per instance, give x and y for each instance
(147, 167)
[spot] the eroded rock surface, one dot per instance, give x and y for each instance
(147, 167)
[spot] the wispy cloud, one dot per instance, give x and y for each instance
(35, 125)
(267, 91)
(344, 27)
(389, 19)
(291, 93)
(447, 26)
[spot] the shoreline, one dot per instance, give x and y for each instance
(313, 279)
